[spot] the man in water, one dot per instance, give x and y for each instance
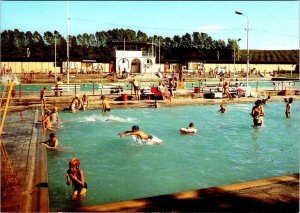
(105, 105)
(136, 131)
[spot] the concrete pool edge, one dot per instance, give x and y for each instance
(204, 196)
(39, 202)
(42, 192)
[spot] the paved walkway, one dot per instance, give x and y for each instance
(20, 162)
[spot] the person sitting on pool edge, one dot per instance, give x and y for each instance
(136, 131)
(52, 143)
(76, 176)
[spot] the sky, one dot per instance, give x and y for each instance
(273, 25)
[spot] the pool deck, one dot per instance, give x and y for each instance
(24, 180)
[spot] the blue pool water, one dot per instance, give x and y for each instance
(226, 149)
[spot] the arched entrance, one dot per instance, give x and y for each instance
(136, 66)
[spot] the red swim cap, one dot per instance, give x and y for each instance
(75, 162)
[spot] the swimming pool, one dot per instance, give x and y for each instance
(226, 149)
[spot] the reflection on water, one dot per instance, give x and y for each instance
(226, 149)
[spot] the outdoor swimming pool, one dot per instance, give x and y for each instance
(226, 149)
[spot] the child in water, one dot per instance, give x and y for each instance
(52, 143)
(46, 121)
(54, 115)
(190, 129)
(76, 176)
(288, 108)
(222, 108)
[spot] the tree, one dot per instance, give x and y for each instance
(142, 37)
(186, 41)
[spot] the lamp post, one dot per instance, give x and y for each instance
(239, 13)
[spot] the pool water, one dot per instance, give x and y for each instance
(226, 149)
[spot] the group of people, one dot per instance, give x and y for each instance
(74, 175)
(167, 90)
(49, 117)
(257, 111)
(78, 104)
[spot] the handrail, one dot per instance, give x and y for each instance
(3, 94)
(6, 106)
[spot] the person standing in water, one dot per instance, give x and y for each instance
(257, 113)
(288, 108)
(105, 104)
(222, 108)
(85, 103)
(76, 177)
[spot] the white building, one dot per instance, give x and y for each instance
(135, 62)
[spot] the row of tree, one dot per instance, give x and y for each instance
(198, 46)
(18, 45)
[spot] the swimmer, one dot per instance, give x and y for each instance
(46, 121)
(52, 143)
(265, 100)
(257, 113)
(190, 129)
(74, 103)
(136, 131)
(288, 108)
(54, 115)
(222, 108)
(85, 103)
(76, 176)
(105, 105)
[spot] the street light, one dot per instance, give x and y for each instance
(239, 13)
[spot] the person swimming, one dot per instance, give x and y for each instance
(190, 129)
(140, 136)
(135, 130)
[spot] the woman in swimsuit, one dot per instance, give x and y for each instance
(76, 176)
(257, 113)
(288, 108)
